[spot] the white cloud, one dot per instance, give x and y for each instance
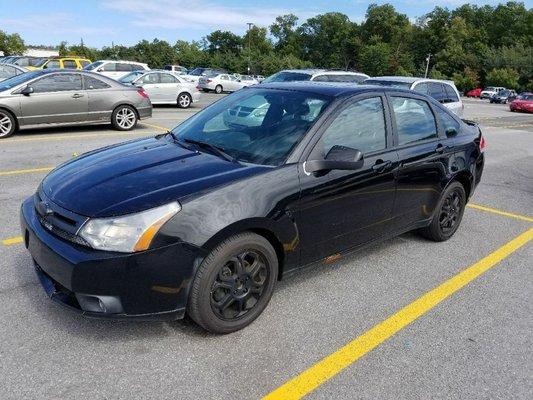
(194, 14)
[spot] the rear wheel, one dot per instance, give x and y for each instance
(218, 89)
(8, 124)
(233, 284)
(124, 118)
(184, 100)
(448, 215)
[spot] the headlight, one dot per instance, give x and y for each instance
(128, 233)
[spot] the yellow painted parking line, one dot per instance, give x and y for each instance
(25, 171)
(70, 136)
(13, 240)
(161, 128)
(499, 212)
(327, 368)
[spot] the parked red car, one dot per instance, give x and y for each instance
(474, 92)
(524, 102)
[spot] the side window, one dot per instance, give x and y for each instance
(57, 83)
(52, 64)
(167, 78)
(451, 95)
(110, 67)
(447, 121)
(321, 78)
(435, 91)
(149, 79)
(422, 88)
(414, 120)
(360, 125)
(7, 72)
(23, 61)
(84, 63)
(70, 64)
(93, 83)
(123, 67)
(224, 77)
(136, 67)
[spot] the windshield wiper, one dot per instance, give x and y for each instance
(215, 149)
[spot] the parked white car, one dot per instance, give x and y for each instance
(165, 87)
(177, 69)
(195, 74)
(116, 69)
(443, 91)
(316, 75)
(490, 91)
(219, 83)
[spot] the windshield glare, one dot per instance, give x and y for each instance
(93, 65)
(257, 126)
(128, 78)
(284, 76)
(18, 79)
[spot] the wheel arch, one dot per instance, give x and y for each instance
(466, 179)
(261, 227)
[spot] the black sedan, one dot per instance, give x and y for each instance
(205, 219)
(503, 96)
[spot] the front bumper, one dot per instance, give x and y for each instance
(196, 96)
(152, 284)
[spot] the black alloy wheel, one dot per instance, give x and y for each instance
(450, 212)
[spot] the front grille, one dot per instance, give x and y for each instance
(59, 221)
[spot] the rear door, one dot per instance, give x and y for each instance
(343, 209)
(57, 98)
(423, 157)
(100, 98)
(151, 84)
(170, 87)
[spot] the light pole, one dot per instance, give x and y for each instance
(427, 65)
(250, 24)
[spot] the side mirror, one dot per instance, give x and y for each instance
(451, 132)
(338, 157)
(27, 91)
(99, 70)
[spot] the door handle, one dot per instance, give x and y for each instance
(77, 95)
(380, 166)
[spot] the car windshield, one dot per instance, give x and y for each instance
(128, 78)
(256, 126)
(490, 89)
(284, 76)
(40, 63)
(93, 65)
(18, 79)
(197, 71)
(394, 84)
(504, 93)
(526, 97)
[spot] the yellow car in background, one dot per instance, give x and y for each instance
(62, 63)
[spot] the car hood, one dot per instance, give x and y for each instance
(137, 175)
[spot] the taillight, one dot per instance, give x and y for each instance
(208, 81)
(142, 93)
(198, 87)
(482, 144)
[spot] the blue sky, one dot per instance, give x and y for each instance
(99, 22)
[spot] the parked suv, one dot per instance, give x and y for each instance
(443, 91)
(207, 218)
(178, 69)
(490, 91)
(317, 75)
(115, 69)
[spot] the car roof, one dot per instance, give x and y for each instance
(333, 89)
(316, 71)
(121, 61)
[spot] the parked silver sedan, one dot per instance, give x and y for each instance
(64, 97)
(165, 87)
(219, 83)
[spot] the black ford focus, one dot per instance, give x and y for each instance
(205, 219)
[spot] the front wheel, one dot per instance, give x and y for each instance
(448, 215)
(124, 118)
(218, 89)
(7, 124)
(233, 284)
(184, 100)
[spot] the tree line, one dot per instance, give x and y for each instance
(473, 45)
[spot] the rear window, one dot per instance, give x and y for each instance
(450, 93)
(288, 77)
(168, 67)
(394, 84)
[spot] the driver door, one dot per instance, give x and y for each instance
(343, 209)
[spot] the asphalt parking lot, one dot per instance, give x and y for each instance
(469, 339)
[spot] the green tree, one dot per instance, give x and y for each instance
(466, 80)
(284, 30)
(11, 44)
(506, 77)
(375, 58)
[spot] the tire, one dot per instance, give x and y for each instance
(124, 118)
(227, 294)
(184, 100)
(218, 89)
(448, 215)
(8, 124)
